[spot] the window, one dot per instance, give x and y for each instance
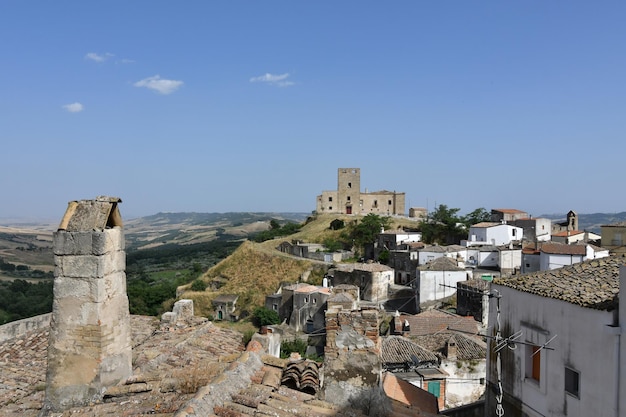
(572, 382)
(375, 203)
(314, 300)
(389, 202)
(349, 185)
(514, 232)
(330, 199)
(306, 299)
(275, 307)
(330, 207)
(533, 363)
(348, 198)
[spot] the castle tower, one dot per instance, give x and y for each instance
(349, 190)
(90, 341)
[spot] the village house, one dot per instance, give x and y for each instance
(348, 198)
(302, 306)
(492, 233)
(414, 364)
(571, 237)
(461, 357)
(535, 229)
(614, 237)
(504, 215)
(372, 279)
(555, 342)
(548, 255)
(396, 239)
(437, 279)
(472, 298)
(225, 307)
(432, 252)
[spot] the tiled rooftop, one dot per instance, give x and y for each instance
(468, 348)
(591, 284)
(436, 321)
(563, 249)
(398, 349)
(163, 362)
(441, 264)
(486, 224)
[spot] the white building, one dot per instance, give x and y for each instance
(568, 358)
(432, 252)
(437, 279)
(492, 233)
(547, 256)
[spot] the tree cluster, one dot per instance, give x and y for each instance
(276, 230)
(20, 299)
(444, 225)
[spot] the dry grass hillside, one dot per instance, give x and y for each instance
(255, 270)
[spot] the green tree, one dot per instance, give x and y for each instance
(366, 231)
(264, 316)
(477, 216)
(442, 226)
(332, 245)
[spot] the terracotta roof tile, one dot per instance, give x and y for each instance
(436, 321)
(563, 249)
(591, 284)
(398, 349)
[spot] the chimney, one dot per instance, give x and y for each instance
(89, 346)
(451, 349)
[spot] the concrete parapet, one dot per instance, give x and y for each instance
(19, 327)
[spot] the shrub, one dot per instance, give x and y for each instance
(263, 316)
(295, 345)
(198, 285)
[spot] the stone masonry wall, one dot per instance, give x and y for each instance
(90, 343)
(352, 366)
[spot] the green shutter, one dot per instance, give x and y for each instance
(433, 388)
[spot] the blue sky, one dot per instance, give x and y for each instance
(252, 106)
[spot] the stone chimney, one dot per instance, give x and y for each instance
(90, 341)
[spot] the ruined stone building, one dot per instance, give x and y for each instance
(348, 198)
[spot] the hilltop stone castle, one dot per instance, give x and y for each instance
(348, 198)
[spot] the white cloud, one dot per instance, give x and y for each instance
(92, 56)
(279, 80)
(74, 107)
(160, 85)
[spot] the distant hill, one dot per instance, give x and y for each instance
(591, 222)
(190, 228)
(30, 243)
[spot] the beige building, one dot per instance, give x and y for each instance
(348, 198)
(614, 237)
